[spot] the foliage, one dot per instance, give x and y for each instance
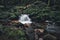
(9, 9)
(9, 33)
(38, 10)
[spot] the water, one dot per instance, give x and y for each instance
(51, 27)
(24, 18)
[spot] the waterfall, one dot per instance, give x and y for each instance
(24, 18)
(50, 27)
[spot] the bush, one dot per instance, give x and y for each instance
(9, 33)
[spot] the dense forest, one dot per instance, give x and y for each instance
(10, 8)
(39, 10)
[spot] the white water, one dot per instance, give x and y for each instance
(50, 27)
(24, 18)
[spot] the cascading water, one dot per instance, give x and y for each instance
(24, 18)
(50, 27)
